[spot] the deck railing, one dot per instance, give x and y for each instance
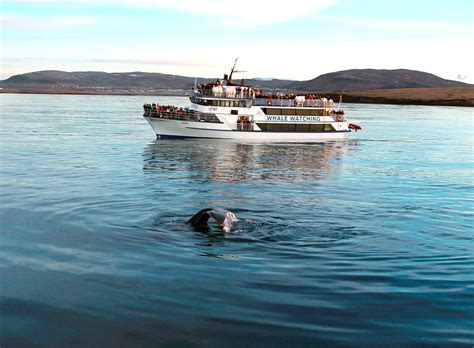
(238, 95)
(284, 102)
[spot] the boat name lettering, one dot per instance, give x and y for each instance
(212, 109)
(294, 118)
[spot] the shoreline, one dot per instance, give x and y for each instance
(453, 96)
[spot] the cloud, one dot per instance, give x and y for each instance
(242, 12)
(382, 27)
(29, 22)
(223, 12)
(50, 2)
(151, 61)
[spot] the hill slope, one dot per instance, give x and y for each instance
(51, 79)
(134, 82)
(366, 79)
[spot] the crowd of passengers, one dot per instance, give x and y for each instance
(290, 99)
(311, 100)
(168, 109)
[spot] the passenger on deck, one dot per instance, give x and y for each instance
(324, 102)
(245, 123)
(239, 124)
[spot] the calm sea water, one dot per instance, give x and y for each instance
(367, 242)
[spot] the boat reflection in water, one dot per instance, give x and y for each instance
(233, 162)
(277, 191)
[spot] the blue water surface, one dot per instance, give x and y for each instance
(364, 242)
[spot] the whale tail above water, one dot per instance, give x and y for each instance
(223, 217)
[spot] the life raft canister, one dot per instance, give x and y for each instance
(354, 126)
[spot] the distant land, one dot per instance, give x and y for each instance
(400, 86)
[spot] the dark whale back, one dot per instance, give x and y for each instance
(200, 218)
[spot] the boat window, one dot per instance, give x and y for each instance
(271, 111)
(316, 112)
(317, 128)
(291, 112)
(198, 101)
(288, 127)
(303, 127)
(303, 112)
(234, 112)
(294, 127)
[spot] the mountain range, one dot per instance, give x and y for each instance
(50, 81)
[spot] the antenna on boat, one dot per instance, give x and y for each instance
(232, 71)
(195, 84)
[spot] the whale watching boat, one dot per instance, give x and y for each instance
(224, 110)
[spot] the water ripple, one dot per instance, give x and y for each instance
(367, 242)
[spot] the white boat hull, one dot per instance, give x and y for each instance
(189, 129)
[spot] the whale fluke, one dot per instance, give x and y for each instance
(223, 217)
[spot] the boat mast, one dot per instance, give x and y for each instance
(228, 79)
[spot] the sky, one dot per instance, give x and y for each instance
(298, 39)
